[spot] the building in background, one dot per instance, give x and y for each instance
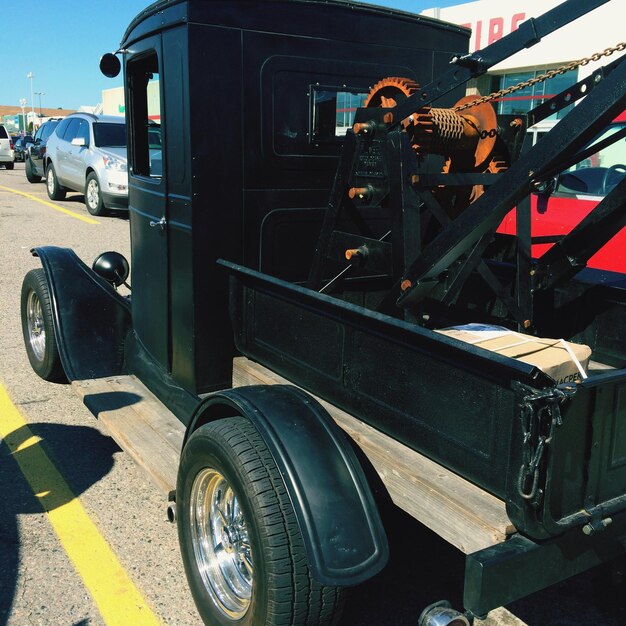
(18, 122)
(113, 101)
(491, 20)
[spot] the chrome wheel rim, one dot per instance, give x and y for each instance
(221, 544)
(93, 193)
(36, 326)
(50, 181)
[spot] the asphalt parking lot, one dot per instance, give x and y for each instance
(83, 535)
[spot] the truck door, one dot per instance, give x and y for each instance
(148, 198)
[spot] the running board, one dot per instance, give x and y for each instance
(139, 423)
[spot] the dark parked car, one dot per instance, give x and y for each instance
(20, 147)
(35, 158)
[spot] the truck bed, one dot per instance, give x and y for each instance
(554, 453)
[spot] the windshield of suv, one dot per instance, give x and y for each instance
(109, 135)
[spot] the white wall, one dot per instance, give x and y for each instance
(113, 101)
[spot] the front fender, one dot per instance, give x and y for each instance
(91, 319)
(343, 534)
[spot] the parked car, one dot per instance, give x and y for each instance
(20, 146)
(34, 164)
(6, 148)
(574, 193)
(87, 153)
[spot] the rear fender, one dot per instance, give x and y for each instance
(91, 319)
(343, 534)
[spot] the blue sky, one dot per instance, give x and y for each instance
(66, 40)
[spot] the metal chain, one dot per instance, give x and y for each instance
(543, 77)
(540, 415)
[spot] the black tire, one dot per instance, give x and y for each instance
(9, 166)
(228, 475)
(55, 191)
(31, 177)
(38, 328)
(93, 195)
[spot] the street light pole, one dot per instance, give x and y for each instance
(30, 76)
(23, 106)
(40, 93)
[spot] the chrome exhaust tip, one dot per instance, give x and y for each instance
(442, 614)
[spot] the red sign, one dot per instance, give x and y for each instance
(486, 31)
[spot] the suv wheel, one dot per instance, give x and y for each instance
(93, 197)
(55, 191)
(9, 166)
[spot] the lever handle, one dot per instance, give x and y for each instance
(161, 223)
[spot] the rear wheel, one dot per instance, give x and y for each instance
(31, 177)
(55, 191)
(9, 166)
(38, 327)
(241, 545)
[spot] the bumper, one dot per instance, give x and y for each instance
(114, 189)
(115, 201)
(518, 567)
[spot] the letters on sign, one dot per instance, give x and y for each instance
(486, 31)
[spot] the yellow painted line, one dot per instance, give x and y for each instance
(56, 207)
(114, 593)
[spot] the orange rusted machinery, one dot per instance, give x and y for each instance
(466, 135)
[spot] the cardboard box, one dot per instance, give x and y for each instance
(562, 360)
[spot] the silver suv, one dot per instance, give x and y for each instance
(87, 153)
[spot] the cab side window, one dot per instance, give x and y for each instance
(145, 112)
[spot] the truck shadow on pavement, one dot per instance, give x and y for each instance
(81, 454)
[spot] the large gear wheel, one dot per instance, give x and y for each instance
(468, 139)
(389, 91)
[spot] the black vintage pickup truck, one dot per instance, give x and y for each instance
(321, 209)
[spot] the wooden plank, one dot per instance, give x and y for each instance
(499, 617)
(457, 510)
(139, 423)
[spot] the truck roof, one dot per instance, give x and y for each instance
(242, 14)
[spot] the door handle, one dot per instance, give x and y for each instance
(161, 223)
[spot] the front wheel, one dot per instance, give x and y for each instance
(241, 545)
(38, 327)
(93, 197)
(55, 191)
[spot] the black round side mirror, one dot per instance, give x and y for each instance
(113, 267)
(110, 65)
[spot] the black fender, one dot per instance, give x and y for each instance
(91, 319)
(343, 534)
